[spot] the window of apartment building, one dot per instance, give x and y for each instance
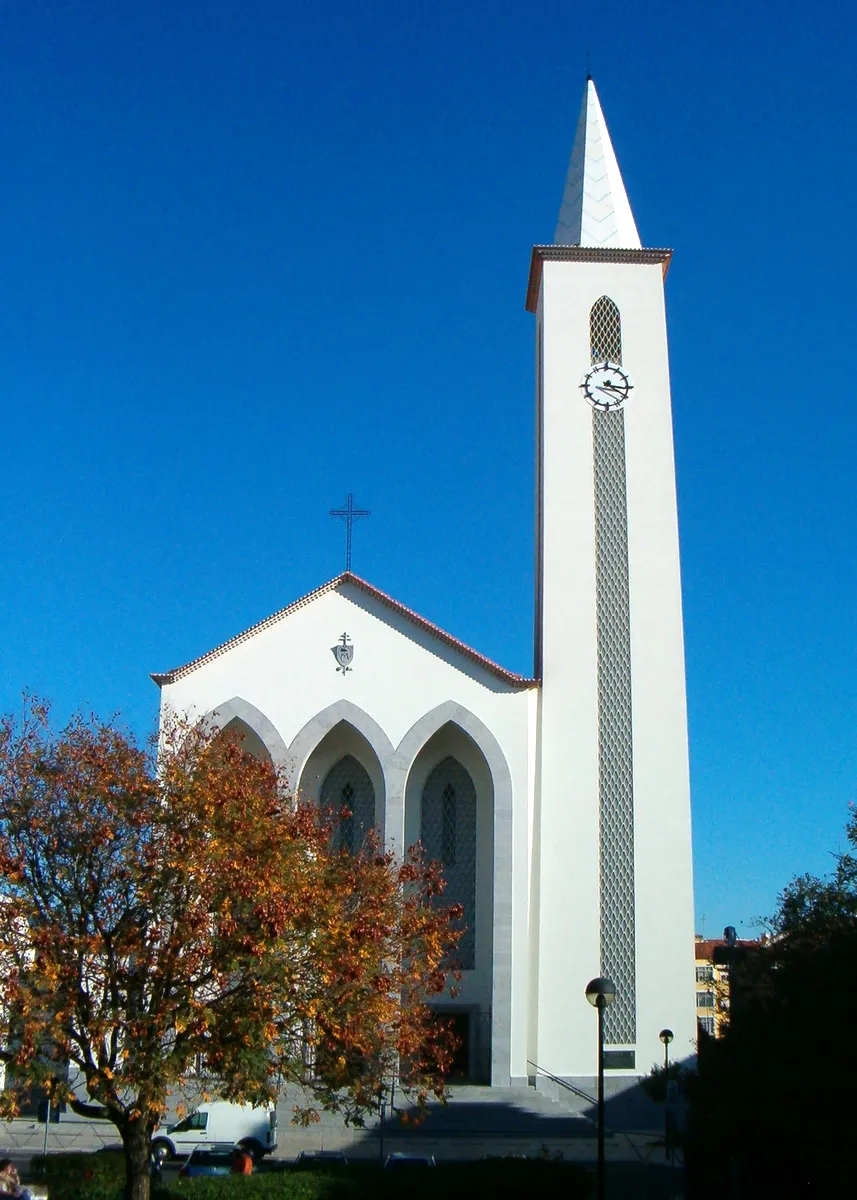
(705, 999)
(706, 1024)
(704, 974)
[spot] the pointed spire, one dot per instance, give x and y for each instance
(595, 209)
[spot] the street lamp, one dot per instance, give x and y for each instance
(666, 1036)
(600, 992)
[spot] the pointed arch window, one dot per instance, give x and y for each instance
(348, 793)
(449, 817)
(605, 332)
(448, 835)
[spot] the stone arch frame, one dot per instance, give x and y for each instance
(255, 719)
(310, 737)
(396, 763)
(319, 726)
(501, 975)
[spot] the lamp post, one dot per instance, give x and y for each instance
(666, 1036)
(600, 992)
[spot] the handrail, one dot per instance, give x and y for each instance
(563, 1083)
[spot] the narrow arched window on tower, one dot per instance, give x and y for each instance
(605, 332)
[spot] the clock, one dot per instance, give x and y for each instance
(606, 386)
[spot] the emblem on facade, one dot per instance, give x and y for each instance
(343, 653)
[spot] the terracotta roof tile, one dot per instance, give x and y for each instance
(705, 948)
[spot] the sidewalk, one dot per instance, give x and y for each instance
(25, 1139)
(477, 1122)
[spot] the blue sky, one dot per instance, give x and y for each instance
(258, 256)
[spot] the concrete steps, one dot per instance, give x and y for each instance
(471, 1111)
(502, 1112)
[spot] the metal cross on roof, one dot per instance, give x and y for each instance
(349, 513)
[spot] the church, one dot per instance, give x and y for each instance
(559, 805)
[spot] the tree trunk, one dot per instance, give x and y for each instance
(137, 1144)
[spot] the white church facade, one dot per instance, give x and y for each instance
(558, 805)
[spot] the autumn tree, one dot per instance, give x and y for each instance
(164, 903)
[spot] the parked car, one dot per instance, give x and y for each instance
(408, 1162)
(207, 1160)
(307, 1160)
(223, 1124)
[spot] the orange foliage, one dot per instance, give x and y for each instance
(163, 903)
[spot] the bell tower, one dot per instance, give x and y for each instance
(612, 882)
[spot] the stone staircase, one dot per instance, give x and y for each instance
(516, 1111)
(471, 1111)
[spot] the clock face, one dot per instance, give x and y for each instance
(606, 386)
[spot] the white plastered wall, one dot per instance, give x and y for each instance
(662, 819)
(566, 848)
(404, 686)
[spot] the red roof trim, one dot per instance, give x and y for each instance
(347, 577)
(600, 254)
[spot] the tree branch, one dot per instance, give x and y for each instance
(97, 1111)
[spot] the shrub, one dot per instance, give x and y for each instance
(98, 1176)
(453, 1181)
(101, 1176)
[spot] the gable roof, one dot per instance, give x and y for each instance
(347, 577)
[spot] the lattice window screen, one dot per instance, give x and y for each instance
(348, 786)
(449, 824)
(615, 747)
(448, 835)
(605, 332)
(346, 820)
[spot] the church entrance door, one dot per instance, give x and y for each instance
(470, 1058)
(459, 1026)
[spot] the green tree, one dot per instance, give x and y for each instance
(162, 903)
(774, 1094)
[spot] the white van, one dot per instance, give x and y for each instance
(255, 1129)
